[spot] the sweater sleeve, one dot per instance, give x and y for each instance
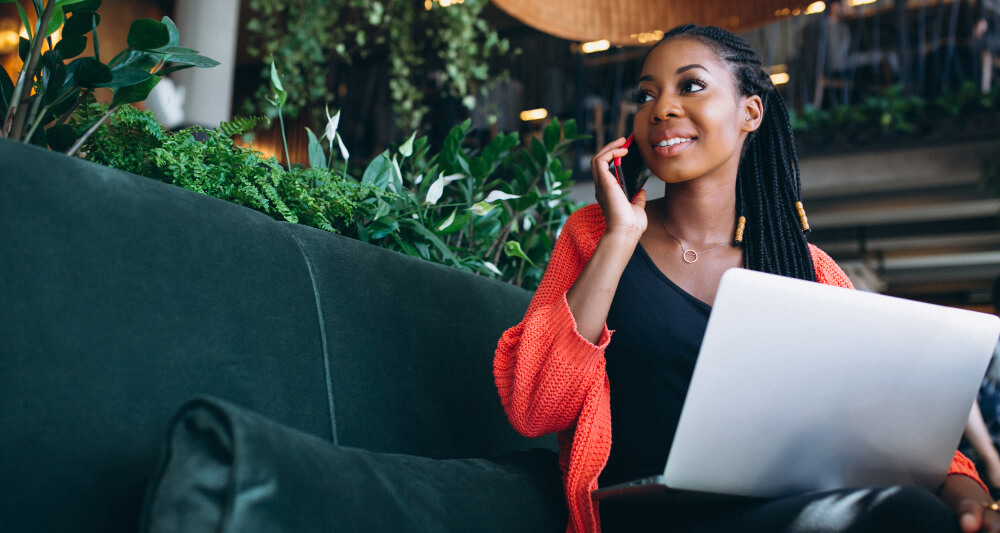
(543, 367)
(829, 273)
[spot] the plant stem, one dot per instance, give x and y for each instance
(70, 111)
(38, 122)
(28, 73)
(91, 131)
(284, 140)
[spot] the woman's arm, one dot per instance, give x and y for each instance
(545, 365)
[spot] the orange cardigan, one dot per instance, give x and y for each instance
(551, 379)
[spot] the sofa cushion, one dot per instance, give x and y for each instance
(227, 469)
(410, 345)
(120, 298)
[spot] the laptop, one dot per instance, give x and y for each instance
(803, 387)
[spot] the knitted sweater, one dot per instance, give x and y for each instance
(551, 379)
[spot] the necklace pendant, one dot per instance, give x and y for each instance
(690, 253)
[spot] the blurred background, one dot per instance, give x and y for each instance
(895, 101)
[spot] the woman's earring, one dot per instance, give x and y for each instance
(739, 230)
(802, 216)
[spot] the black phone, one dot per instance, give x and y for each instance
(630, 170)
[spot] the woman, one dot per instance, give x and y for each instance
(711, 126)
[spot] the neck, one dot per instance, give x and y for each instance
(701, 212)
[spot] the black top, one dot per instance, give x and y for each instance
(658, 329)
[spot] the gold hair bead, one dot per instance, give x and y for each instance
(802, 216)
(739, 229)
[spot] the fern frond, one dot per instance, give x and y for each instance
(241, 125)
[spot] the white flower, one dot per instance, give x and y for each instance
(492, 268)
(435, 191)
(332, 123)
(499, 195)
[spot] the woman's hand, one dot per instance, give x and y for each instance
(970, 503)
(622, 217)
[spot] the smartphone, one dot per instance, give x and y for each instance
(630, 170)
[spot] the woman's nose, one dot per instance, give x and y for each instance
(667, 106)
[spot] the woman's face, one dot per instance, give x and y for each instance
(690, 120)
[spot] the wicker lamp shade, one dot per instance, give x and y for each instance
(641, 22)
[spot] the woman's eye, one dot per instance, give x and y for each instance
(641, 97)
(692, 86)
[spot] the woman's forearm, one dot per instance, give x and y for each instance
(590, 296)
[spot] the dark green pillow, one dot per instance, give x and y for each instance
(227, 469)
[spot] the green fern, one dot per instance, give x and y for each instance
(241, 125)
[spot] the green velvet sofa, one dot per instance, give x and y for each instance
(160, 348)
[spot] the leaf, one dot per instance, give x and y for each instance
(89, 72)
(192, 60)
(435, 191)
(406, 150)
(497, 195)
(570, 130)
(434, 240)
(123, 77)
(482, 208)
(23, 49)
(343, 149)
(6, 91)
(83, 5)
(396, 175)
(134, 93)
(72, 46)
(377, 173)
(279, 90)
(317, 158)
(551, 134)
(173, 36)
(24, 21)
(61, 137)
(513, 249)
(148, 34)
(448, 221)
(54, 83)
(56, 22)
(492, 268)
(456, 224)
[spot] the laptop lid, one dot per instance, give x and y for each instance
(801, 387)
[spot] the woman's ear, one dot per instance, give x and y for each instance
(753, 113)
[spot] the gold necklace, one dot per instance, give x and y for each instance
(688, 252)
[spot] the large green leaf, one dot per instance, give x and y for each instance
(134, 93)
(89, 72)
(6, 91)
(148, 34)
(378, 172)
(71, 6)
(192, 60)
(123, 77)
(25, 22)
(61, 137)
(54, 79)
(56, 22)
(72, 46)
(174, 36)
(317, 159)
(81, 23)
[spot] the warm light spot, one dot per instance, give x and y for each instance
(428, 4)
(8, 35)
(816, 7)
(534, 114)
(779, 78)
(647, 37)
(595, 46)
(796, 12)
(862, 2)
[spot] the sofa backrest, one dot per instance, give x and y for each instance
(122, 297)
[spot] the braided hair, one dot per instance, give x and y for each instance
(768, 186)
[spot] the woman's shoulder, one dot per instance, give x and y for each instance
(827, 270)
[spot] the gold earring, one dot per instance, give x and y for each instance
(739, 229)
(802, 216)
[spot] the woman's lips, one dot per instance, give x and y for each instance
(671, 151)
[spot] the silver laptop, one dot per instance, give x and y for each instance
(803, 387)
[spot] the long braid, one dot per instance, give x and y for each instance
(768, 182)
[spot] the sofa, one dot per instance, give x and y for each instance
(174, 362)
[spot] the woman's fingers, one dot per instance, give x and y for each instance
(970, 516)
